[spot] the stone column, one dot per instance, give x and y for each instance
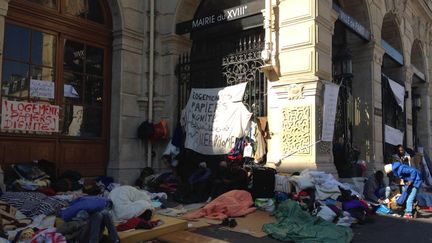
(295, 100)
(408, 74)
(129, 81)
(377, 152)
(423, 118)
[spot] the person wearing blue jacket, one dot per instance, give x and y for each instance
(412, 180)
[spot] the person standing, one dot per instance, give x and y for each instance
(412, 180)
(402, 155)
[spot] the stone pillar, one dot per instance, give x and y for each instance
(423, 118)
(377, 152)
(295, 100)
(129, 82)
(408, 74)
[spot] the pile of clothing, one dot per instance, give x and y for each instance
(33, 216)
(314, 206)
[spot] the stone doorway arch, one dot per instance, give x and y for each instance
(419, 97)
(354, 103)
(392, 70)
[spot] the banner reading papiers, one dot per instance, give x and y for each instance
(214, 118)
(24, 116)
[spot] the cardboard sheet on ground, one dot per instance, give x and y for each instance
(170, 225)
(203, 222)
(186, 236)
(252, 223)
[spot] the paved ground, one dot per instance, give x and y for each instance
(380, 229)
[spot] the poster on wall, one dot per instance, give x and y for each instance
(214, 118)
(41, 89)
(24, 116)
(331, 92)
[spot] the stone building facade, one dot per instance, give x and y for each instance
(298, 54)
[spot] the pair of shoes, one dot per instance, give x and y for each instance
(408, 216)
(229, 222)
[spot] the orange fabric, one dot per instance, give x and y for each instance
(234, 203)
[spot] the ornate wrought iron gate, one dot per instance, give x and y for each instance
(226, 61)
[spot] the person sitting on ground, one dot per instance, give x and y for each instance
(375, 190)
(412, 180)
(228, 178)
(402, 156)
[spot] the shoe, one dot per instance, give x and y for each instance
(232, 223)
(225, 222)
(408, 216)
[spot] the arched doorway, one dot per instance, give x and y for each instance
(224, 52)
(419, 96)
(57, 60)
(393, 86)
(349, 56)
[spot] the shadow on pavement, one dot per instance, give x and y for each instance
(388, 229)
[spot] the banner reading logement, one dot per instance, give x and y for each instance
(24, 116)
(214, 118)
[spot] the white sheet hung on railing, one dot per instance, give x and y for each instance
(398, 92)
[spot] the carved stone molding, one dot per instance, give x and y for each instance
(295, 91)
(296, 129)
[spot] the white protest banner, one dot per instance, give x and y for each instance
(26, 116)
(214, 118)
(398, 92)
(331, 92)
(393, 136)
(41, 89)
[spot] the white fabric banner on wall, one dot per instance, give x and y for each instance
(331, 92)
(214, 118)
(398, 92)
(393, 136)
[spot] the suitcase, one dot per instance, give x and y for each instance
(263, 182)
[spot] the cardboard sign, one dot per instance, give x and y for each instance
(41, 89)
(26, 116)
(214, 118)
(331, 92)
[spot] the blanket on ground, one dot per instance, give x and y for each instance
(129, 202)
(33, 203)
(234, 203)
(297, 225)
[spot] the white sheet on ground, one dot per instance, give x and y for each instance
(129, 202)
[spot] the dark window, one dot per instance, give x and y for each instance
(87, 9)
(29, 58)
(46, 3)
(83, 89)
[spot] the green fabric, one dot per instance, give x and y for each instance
(297, 225)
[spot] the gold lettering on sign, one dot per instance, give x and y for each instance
(296, 129)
